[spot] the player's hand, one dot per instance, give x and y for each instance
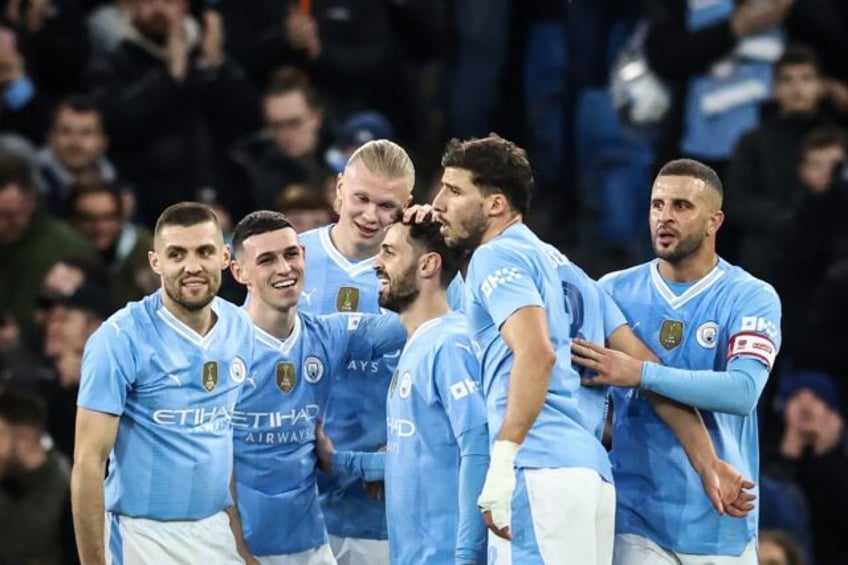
(418, 214)
(324, 448)
(495, 500)
(744, 502)
(611, 367)
(722, 483)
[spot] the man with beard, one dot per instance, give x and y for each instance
(299, 358)
(721, 326)
(518, 318)
(160, 379)
(435, 461)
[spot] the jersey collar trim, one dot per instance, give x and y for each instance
(349, 267)
(699, 287)
(283, 345)
(185, 331)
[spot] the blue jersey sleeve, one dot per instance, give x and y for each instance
(456, 374)
(502, 283)
(735, 391)
(474, 462)
(363, 464)
(754, 325)
(108, 370)
(368, 336)
(613, 316)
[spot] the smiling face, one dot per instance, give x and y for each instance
(460, 208)
(685, 215)
(396, 267)
(271, 265)
(368, 203)
(189, 261)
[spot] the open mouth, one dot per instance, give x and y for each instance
(284, 284)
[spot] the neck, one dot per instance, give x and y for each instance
(430, 304)
(200, 320)
(345, 242)
(278, 323)
(498, 225)
(691, 268)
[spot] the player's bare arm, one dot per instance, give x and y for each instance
(95, 436)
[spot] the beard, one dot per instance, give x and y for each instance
(174, 290)
(472, 230)
(400, 292)
(685, 247)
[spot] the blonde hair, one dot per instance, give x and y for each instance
(385, 158)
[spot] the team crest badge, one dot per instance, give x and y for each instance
(348, 299)
(671, 334)
(707, 335)
(209, 378)
(286, 377)
(238, 370)
(313, 369)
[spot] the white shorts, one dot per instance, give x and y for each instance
(560, 516)
(358, 551)
(631, 549)
(139, 541)
(321, 555)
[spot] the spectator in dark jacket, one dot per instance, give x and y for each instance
(173, 101)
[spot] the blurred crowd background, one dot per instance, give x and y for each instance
(110, 111)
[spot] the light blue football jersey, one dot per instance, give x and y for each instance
(726, 315)
(275, 420)
(175, 392)
(356, 412)
(433, 399)
(594, 317)
(512, 271)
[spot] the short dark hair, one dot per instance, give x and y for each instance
(92, 186)
(78, 103)
(186, 214)
(694, 169)
(291, 79)
(496, 165)
(797, 55)
(16, 170)
(823, 138)
(22, 408)
(258, 222)
(427, 235)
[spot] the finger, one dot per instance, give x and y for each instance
(593, 381)
(500, 532)
(586, 362)
(714, 494)
(748, 485)
(735, 512)
(422, 215)
(589, 345)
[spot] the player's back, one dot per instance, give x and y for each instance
(689, 326)
(356, 411)
(593, 316)
(512, 271)
(175, 392)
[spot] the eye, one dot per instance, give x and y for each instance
(388, 206)
(453, 190)
(361, 198)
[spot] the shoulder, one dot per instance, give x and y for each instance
(611, 280)
(744, 286)
(312, 237)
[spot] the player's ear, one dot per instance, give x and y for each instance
(715, 222)
(238, 272)
(497, 204)
(228, 256)
(153, 260)
(429, 265)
